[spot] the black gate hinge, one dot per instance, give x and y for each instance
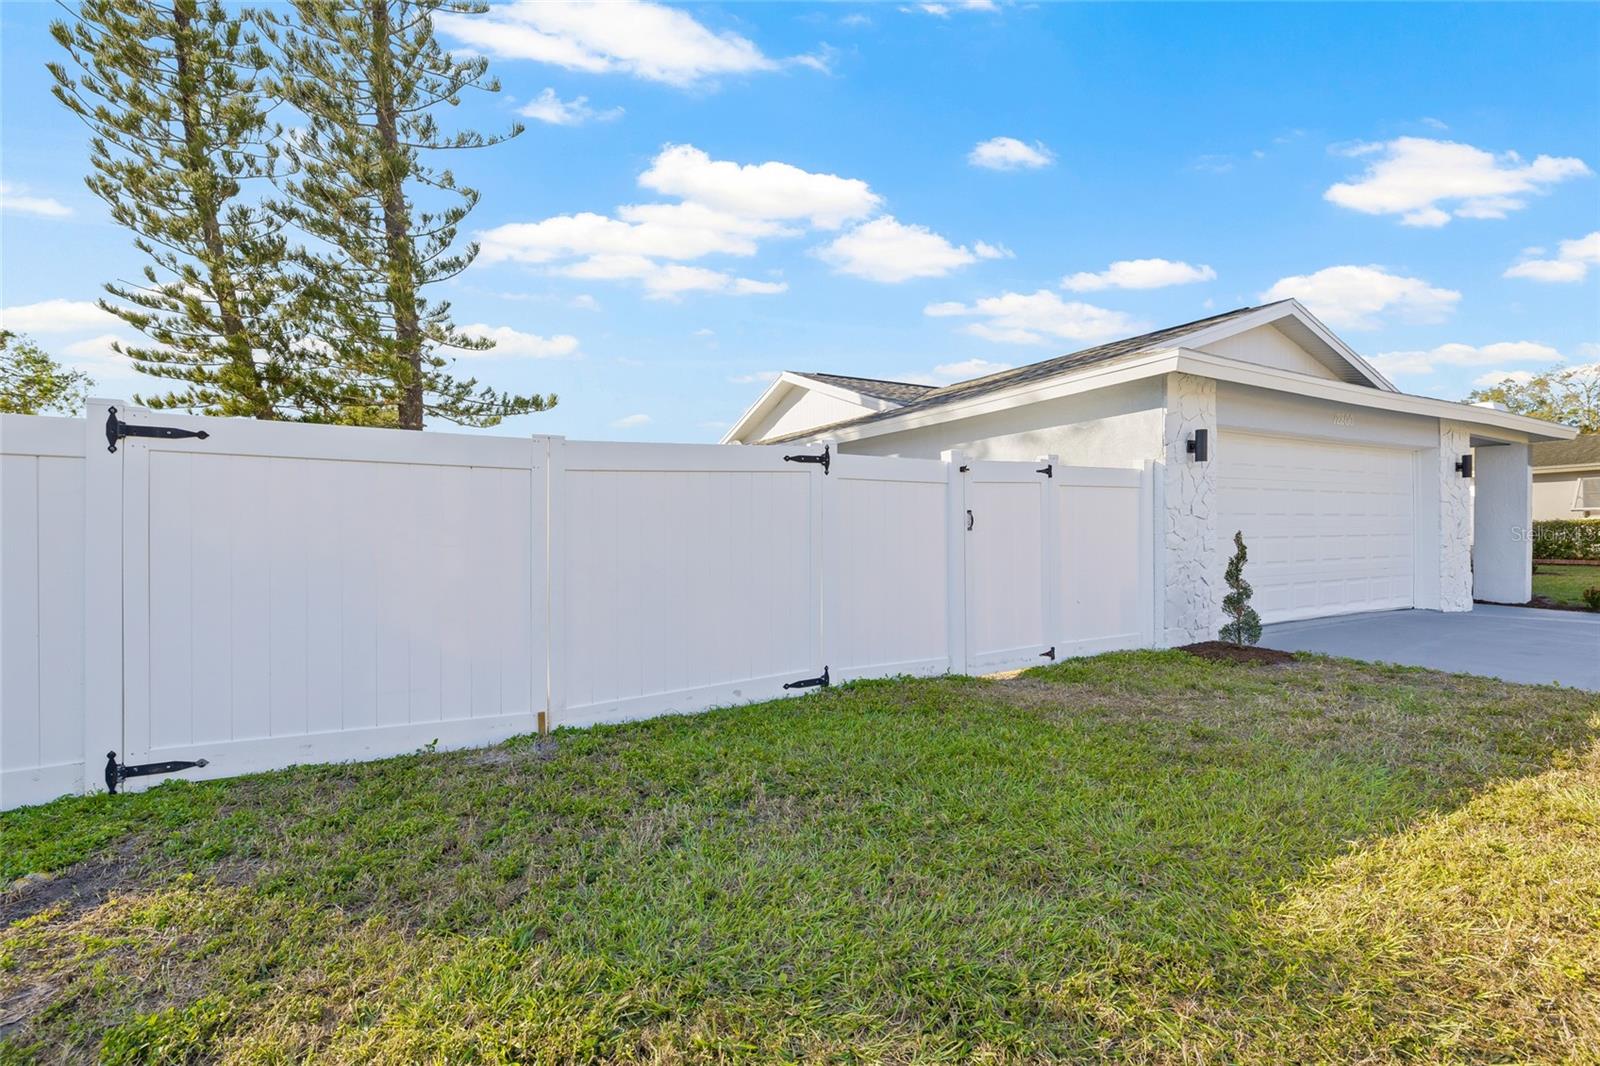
(825, 459)
(1051, 654)
(116, 429)
(116, 772)
(811, 682)
(1048, 470)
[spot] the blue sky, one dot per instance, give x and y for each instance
(708, 194)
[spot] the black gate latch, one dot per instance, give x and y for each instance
(824, 458)
(1051, 654)
(116, 429)
(116, 773)
(811, 682)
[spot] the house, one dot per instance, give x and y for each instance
(1566, 478)
(1352, 495)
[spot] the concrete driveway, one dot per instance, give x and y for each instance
(1521, 644)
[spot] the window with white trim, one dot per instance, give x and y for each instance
(1588, 495)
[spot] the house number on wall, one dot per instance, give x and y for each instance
(1343, 418)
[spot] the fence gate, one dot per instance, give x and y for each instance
(294, 593)
(1011, 557)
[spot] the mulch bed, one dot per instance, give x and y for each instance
(1223, 652)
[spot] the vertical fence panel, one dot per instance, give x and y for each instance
(1105, 547)
(885, 536)
(303, 593)
(688, 577)
(41, 608)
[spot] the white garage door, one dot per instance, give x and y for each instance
(1328, 526)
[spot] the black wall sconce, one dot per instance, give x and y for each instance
(1464, 464)
(1196, 445)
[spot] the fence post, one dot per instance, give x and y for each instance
(825, 559)
(1149, 587)
(1050, 544)
(1156, 530)
(555, 597)
(102, 593)
(956, 571)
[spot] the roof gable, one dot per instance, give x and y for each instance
(796, 403)
(1288, 317)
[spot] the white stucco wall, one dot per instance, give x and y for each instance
(1502, 542)
(803, 409)
(1455, 519)
(1187, 537)
(1116, 426)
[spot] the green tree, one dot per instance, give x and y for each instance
(1560, 394)
(32, 383)
(1244, 625)
(171, 93)
(369, 78)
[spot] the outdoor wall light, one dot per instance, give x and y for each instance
(1464, 464)
(1196, 445)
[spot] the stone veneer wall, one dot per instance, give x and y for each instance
(1455, 519)
(1193, 600)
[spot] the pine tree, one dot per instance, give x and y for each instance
(172, 95)
(369, 76)
(1245, 624)
(32, 383)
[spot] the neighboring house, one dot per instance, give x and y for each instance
(1351, 494)
(1566, 478)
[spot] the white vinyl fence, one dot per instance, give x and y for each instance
(270, 594)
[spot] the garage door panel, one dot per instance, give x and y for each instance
(1329, 526)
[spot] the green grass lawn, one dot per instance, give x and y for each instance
(1564, 584)
(1139, 857)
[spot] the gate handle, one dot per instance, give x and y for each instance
(969, 520)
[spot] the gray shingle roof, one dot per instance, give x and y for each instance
(893, 391)
(1584, 448)
(963, 390)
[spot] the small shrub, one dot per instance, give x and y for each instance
(1591, 597)
(1244, 626)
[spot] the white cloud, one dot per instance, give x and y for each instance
(663, 231)
(946, 7)
(965, 370)
(631, 421)
(1357, 297)
(665, 280)
(1034, 318)
(1426, 182)
(765, 191)
(760, 377)
(1008, 153)
(16, 198)
(584, 302)
(646, 40)
(1139, 274)
(512, 343)
(1495, 377)
(105, 366)
(56, 316)
(985, 250)
(1572, 262)
(888, 250)
(1459, 355)
(548, 107)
